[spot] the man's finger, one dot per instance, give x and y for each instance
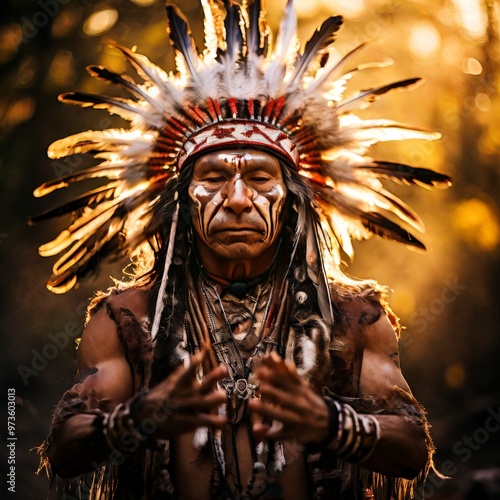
(263, 432)
(210, 381)
(278, 377)
(282, 398)
(206, 402)
(202, 420)
(190, 372)
(274, 412)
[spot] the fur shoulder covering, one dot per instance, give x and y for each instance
(134, 298)
(362, 303)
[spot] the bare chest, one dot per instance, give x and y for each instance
(195, 471)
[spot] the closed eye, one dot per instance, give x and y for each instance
(214, 180)
(259, 179)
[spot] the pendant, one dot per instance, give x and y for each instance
(245, 390)
(240, 387)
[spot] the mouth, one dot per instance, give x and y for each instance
(238, 230)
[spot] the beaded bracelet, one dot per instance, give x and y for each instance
(352, 436)
(357, 435)
(122, 432)
(333, 426)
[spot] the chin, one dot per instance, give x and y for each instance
(240, 251)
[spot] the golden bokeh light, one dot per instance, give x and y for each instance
(477, 223)
(483, 102)
(12, 114)
(11, 37)
(471, 66)
(307, 9)
(473, 18)
(425, 40)
(452, 52)
(455, 375)
(100, 21)
(62, 71)
(352, 9)
(65, 23)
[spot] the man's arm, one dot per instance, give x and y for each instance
(105, 380)
(401, 450)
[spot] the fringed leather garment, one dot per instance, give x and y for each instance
(257, 318)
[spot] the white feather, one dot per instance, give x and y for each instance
(200, 438)
(308, 356)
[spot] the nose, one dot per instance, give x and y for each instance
(239, 197)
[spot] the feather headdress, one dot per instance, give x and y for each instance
(240, 90)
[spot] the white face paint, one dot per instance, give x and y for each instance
(236, 201)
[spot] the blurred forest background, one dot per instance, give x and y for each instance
(448, 297)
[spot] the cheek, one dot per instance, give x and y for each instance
(270, 207)
(204, 205)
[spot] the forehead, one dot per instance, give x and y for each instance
(238, 160)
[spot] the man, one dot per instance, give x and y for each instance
(243, 364)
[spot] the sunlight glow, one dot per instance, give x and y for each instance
(477, 222)
(483, 102)
(100, 21)
(455, 375)
(307, 8)
(425, 40)
(471, 66)
(473, 18)
(351, 9)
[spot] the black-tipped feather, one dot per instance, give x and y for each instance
(90, 199)
(255, 36)
(401, 209)
(181, 38)
(86, 258)
(234, 37)
(129, 171)
(371, 95)
(385, 228)
(146, 70)
(375, 222)
(322, 37)
(109, 76)
(115, 105)
(400, 172)
(123, 81)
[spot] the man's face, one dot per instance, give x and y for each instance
(236, 199)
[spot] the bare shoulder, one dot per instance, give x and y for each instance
(101, 336)
(104, 356)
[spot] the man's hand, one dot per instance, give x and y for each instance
(180, 403)
(289, 400)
